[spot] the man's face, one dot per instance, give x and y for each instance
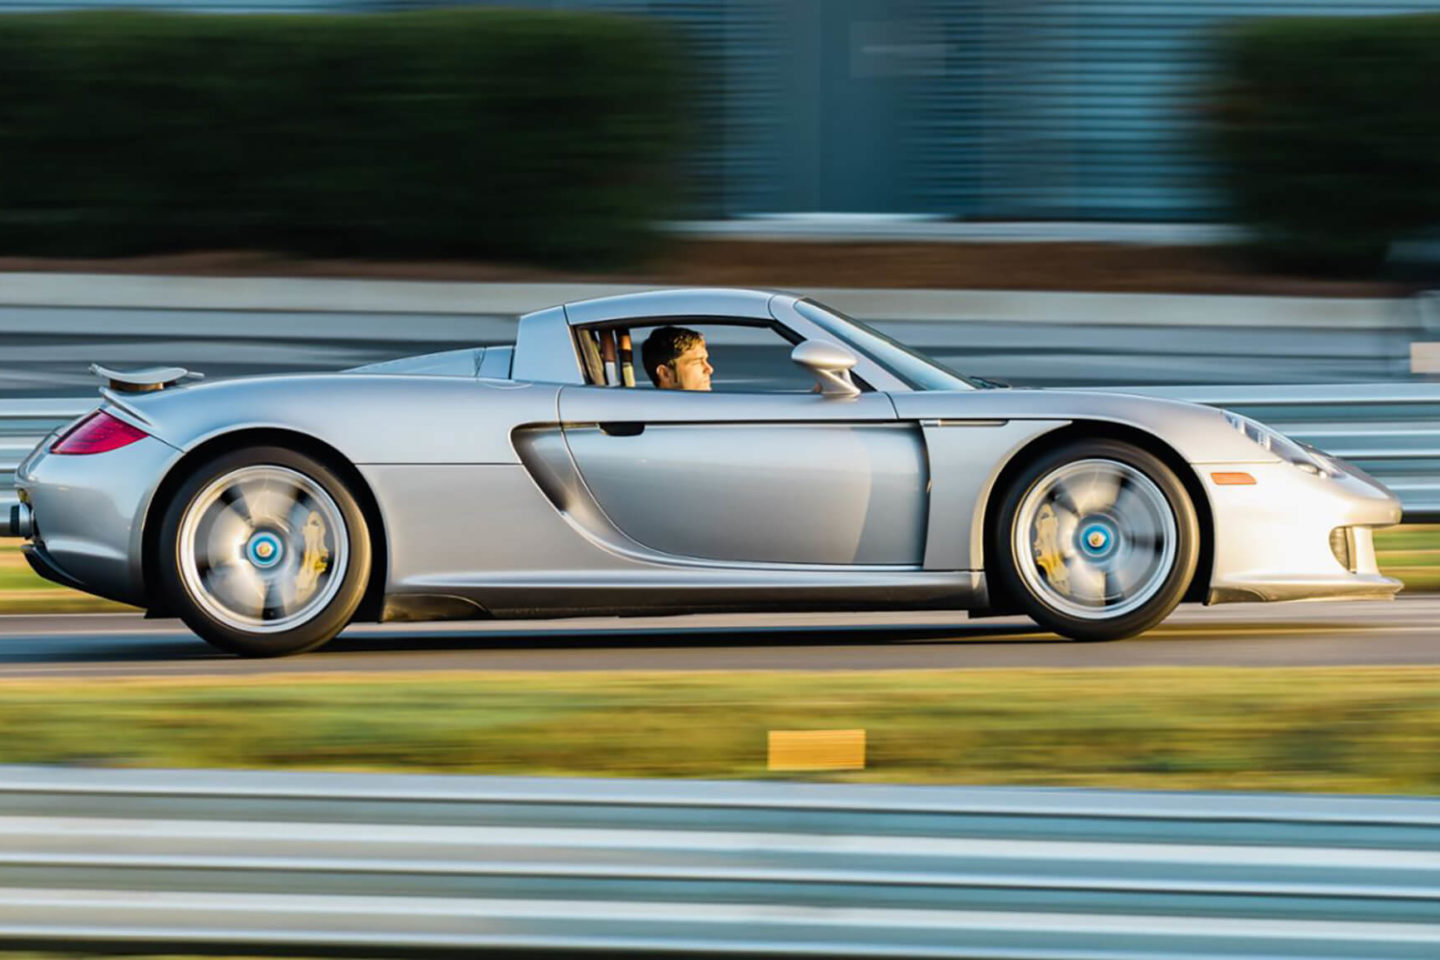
(689, 371)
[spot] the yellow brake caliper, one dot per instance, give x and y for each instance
(1047, 549)
(317, 558)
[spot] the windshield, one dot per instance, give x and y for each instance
(918, 373)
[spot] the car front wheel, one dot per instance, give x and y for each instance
(1098, 540)
(264, 552)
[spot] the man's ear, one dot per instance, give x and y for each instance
(665, 374)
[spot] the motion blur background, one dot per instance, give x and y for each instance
(1236, 201)
(1025, 110)
(1283, 151)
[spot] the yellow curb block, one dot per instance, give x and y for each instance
(817, 750)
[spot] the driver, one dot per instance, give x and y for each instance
(676, 359)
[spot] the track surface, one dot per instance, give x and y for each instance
(1406, 631)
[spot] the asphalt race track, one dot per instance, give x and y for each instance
(1406, 631)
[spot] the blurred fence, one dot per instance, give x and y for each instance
(174, 861)
(1392, 431)
(52, 326)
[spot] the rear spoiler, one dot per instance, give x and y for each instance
(143, 381)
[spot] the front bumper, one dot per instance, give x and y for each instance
(1273, 539)
(89, 515)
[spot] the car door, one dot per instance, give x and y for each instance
(753, 477)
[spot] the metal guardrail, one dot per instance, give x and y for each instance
(356, 863)
(1391, 431)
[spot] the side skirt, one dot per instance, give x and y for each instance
(541, 597)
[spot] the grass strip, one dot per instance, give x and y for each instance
(24, 591)
(1411, 553)
(1369, 730)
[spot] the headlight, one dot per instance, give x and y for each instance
(1311, 461)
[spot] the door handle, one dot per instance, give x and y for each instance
(622, 428)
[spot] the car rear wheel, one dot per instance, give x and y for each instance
(1097, 540)
(264, 552)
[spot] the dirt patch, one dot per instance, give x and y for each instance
(1099, 267)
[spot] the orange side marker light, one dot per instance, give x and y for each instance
(1233, 479)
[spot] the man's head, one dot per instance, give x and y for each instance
(676, 359)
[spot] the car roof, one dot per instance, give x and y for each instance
(680, 302)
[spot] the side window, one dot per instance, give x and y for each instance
(752, 360)
(743, 358)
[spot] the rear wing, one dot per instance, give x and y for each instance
(142, 381)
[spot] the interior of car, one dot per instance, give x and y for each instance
(748, 356)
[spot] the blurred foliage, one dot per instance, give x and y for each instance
(1327, 136)
(1350, 729)
(548, 137)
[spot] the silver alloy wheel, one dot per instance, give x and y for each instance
(1094, 539)
(263, 549)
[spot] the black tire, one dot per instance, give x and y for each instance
(1038, 592)
(328, 611)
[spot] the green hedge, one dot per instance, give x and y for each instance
(475, 133)
(1328, 135)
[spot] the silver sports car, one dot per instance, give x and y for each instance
(828, 467)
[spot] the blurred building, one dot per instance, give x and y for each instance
(983, 109)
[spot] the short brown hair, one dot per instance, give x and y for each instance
(664, 345)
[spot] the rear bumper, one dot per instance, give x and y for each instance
(1273, 539)
(44, 565)
(89, 516)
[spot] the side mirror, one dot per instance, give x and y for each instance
(830, 363)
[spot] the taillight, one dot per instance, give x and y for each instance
(97, 433)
